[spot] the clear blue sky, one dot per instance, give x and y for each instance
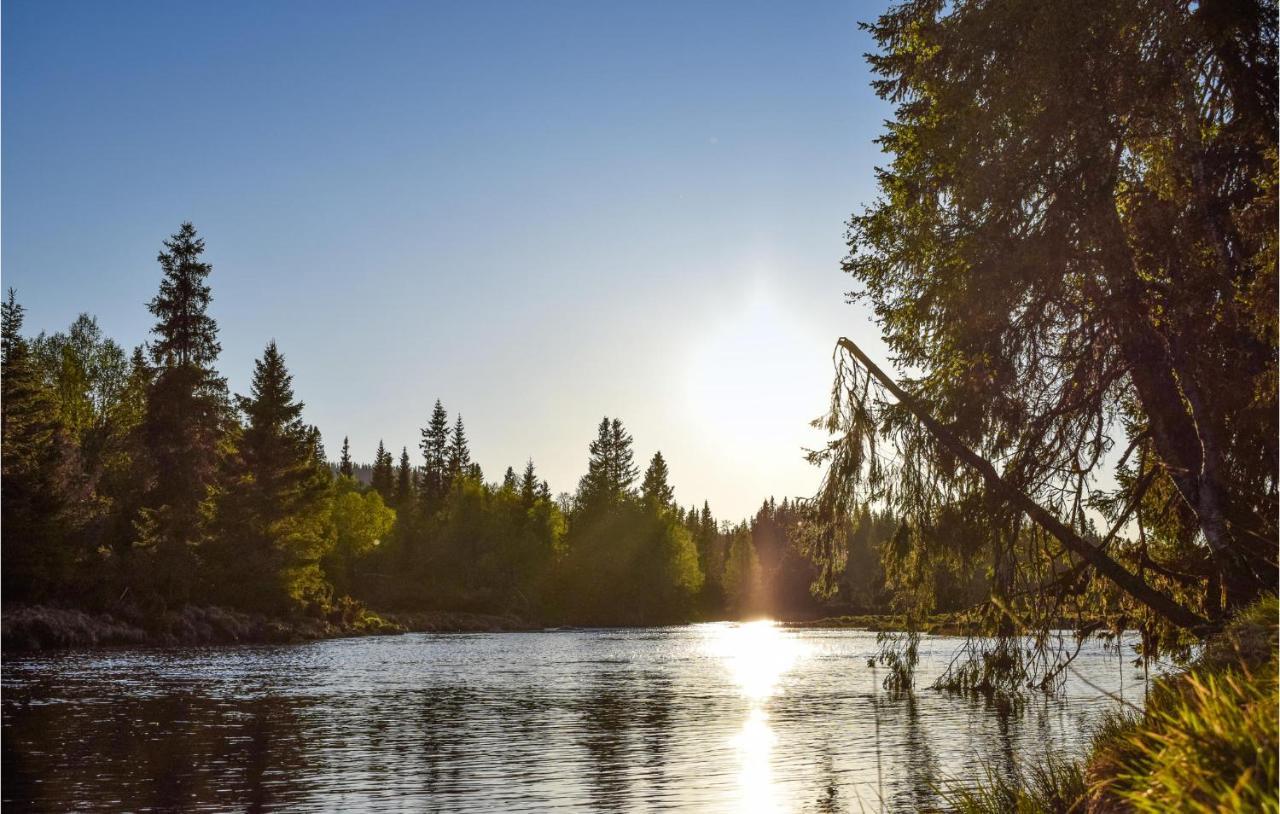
(540, 213)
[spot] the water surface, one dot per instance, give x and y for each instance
(717, 717)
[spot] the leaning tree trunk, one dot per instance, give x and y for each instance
(1160, 603)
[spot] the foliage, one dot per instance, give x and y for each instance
(1053, 787)
(1207, 742)
(360, 522)
(272, 520)
(1210, 737)
(742, 582)
(1073, 253)
(38, 481)
(137, 483)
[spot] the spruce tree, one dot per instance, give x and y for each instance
(187, 405)
(610, 468)
(624, 470)
(404, 480)
(383, 479)
(435, 458)
(272, 518)
(529, 485)
(509, 481)
(655, 491)
(458, 452)
(345, 467)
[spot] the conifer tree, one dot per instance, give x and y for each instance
(404, 480)
(35, 555)
(345, 468)
(458, 452)
(383, 479)
(509, 481)
(272, 519)
(655, 491)
(624, 470)
(315, 443)
(186, 407)
(435, 458)
(529, 485)
(610, 468)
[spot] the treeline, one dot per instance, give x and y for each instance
(138, 478)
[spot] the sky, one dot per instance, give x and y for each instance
(539, 213)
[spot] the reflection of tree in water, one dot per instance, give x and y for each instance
(441, 722)
(917, 792)
(829, 801)
(606, 716)
(655, 717)
(1005, 710)
(163, 753)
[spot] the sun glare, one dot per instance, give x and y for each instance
(757, 655)
(745, 380)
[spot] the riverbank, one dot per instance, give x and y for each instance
(1207, 741)
(42, 627)
(939, 625)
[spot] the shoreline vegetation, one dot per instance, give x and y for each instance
(139, 481)
(1206, 741)
(30, 628)
(37, 628)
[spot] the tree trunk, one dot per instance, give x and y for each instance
(1160, 603)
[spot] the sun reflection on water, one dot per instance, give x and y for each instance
(757, 655)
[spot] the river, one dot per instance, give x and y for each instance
(717, 717)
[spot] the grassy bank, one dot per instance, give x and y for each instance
(1207, 742)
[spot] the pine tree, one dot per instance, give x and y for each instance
(272, 518)
(345, 468)
(435, 457)
(383, 477)
(509, 481)
(458, 452)
(404, 480)
(188, 403)
(655, 491)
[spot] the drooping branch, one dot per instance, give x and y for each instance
(1129, 582)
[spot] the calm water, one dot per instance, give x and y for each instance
(705, 717)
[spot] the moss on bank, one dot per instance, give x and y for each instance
(1207, 742)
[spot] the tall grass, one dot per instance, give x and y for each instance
(1207, 745)
(1054, 787)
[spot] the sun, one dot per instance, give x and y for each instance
(760, 374)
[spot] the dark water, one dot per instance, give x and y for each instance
(705, 717)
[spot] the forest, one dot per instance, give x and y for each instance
(135, 480)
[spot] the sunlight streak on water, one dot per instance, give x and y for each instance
(757, 655)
